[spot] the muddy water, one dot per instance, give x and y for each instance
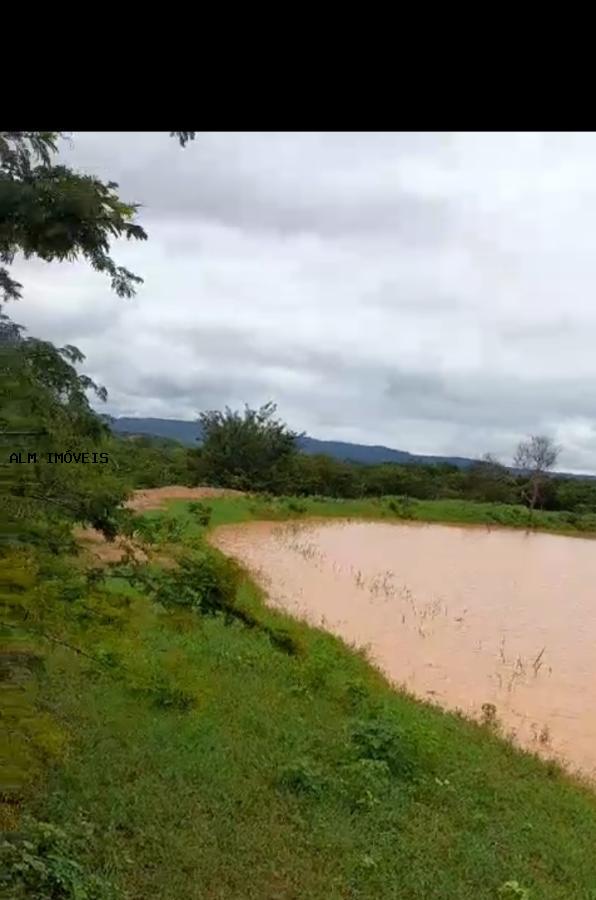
(460, 616)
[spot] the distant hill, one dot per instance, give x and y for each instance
(188, 433)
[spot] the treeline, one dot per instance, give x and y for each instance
(323, 475)
(149, 462)
(254, 451)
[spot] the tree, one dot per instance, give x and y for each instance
(321, 474)
(488, 479)
(56, 213)
(183, 136)
(45, 409)
(535, 457)
(249, 451)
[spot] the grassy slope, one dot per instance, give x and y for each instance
(465, 512)
(257, 792)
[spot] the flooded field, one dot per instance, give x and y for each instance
(490, 622)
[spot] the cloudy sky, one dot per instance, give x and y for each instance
(431, 292)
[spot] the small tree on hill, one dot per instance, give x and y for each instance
(536, 457)
(249, 451)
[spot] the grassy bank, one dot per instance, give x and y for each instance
(227, 510)
(203, 759)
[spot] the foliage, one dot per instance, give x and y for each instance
(147, 462)
(302, 777)
(235, 454)
(53, 213)
(233, 459)
(159, 528)
(249, 451)
(267, 790)
(48, 411)
(42, 861)
(402, 507)
(204, 582)
(185, 803)
(382, 739)
(200, 512)
(56, 213)
(183, 136)
(365, 782)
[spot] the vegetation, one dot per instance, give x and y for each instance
(536, 457)
(166, 734)
(219, 748)
(252, 451)
(456, 512)
(147, 462)
(256, 452)
(55, 213)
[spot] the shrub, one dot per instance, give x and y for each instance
(365, 783)
(282, 639)
(295, 506)
(206, 583)
(356, 693)
(200, 512)
(302, 777)
(161, 679)
(168, 696)
(42, 861)
(158, 529)
(383, 740)
(402, 507)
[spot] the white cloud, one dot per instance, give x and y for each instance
(429, 292)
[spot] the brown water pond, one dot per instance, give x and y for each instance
(461, 616)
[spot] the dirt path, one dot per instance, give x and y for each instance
(104, 551)
(155, 498)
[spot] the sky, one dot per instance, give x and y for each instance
(432, 292)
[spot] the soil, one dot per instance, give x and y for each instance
(155, 498)
(101, 550)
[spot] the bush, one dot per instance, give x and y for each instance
(158, 529)
(205, 583)
(168, 696)
(302, 777)
(295, 506)
(402, 507)
(42, 861)
(200, 512)
(356, 693)
(365, 782)
(383, 740)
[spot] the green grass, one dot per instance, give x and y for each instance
(228, 510)
(297, 776)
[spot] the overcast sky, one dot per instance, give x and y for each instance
(431, 292)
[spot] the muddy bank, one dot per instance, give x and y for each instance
(105, 551)
(155, 498)
(493, 623)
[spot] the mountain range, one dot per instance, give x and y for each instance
(188, 433)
